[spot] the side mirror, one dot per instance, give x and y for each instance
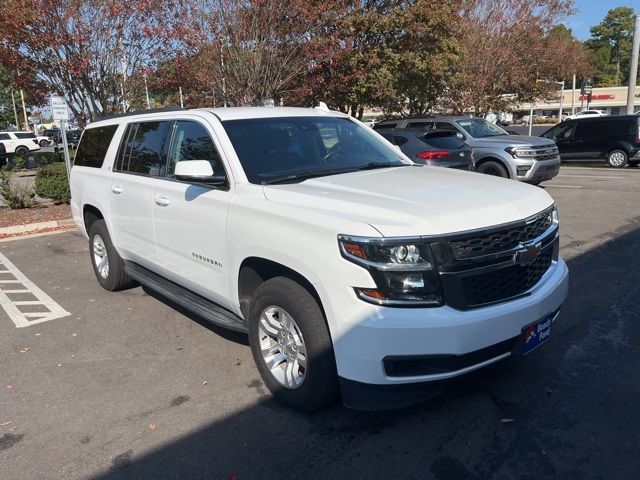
(198, 171)
(460, 136)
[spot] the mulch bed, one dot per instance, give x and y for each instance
(39, 213)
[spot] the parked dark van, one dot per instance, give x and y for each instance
(615, 139)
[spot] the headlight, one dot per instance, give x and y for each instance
(403, 269)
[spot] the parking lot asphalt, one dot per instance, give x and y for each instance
(128, 386)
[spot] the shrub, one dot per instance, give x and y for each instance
(46, 158)
(51, 182)
(15, 196)
(19, 162)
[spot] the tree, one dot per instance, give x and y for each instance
(504, 58)
(391, 54)
(87, 50)
(610, 44)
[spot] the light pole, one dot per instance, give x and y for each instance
(633, 73)
(561, 99)
(146, 91)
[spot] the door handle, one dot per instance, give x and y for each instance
(162, 201)
(116, 189)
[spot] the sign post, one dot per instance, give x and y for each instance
(60, 111)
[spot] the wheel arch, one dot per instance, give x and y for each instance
(90, 214)
(254, 271)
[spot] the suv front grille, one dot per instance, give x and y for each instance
(505, 283)
(503, 239)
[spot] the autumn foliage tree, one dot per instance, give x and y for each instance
(511, 53)
(86, 49)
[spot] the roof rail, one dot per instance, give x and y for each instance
(140, 112)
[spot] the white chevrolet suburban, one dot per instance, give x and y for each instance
(352, 270)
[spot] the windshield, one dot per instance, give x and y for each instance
(291, 148)
(480, 128)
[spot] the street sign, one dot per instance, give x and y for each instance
(59, 109)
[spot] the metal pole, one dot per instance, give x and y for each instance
(573, 96)
(65, 147)
(15, 111)
(633, 73)
(531, 118)
(181, 99)
(124, 104)
(146, 91)
(24, 109)
(561, 100)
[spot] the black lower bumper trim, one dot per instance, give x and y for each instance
(368, 396)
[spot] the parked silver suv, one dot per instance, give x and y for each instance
(528, 159)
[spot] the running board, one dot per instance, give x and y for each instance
(193, 302)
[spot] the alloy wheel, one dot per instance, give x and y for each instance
(100, 257)
(282, 346)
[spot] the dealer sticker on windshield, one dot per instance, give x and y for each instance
(536, 334)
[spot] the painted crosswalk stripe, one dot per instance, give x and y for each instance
(14, 283)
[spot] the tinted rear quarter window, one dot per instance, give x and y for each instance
(447, 142)
(94, 145)
(592, 128)
(145, 152)
(23, 135)
(622, 127)
(4, 136)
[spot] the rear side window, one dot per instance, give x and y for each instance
(622, 128)
(444, 141)
(380, 126)
(24, 135)
(419, 124)
(191, 141)
(445, 126)
(592, 128)
(4, 136)
(94, 145)
(144, 149)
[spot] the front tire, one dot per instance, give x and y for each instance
(44, 143)
(493, 168)
(617, 158)
(107, 264)
(291, 345)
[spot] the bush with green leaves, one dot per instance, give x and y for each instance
(46, 158)
(51, 182)
(15, 196)
(19, 162)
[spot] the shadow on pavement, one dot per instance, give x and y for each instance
(570, 410)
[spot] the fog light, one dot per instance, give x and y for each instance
(523, 169)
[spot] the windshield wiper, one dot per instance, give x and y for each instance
(374, 165)
(298, 176)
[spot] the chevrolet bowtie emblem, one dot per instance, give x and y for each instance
(528, 255)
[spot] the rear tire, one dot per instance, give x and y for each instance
(44, 143)
(617, 158)
(22, 151)
(285, 320)
(107, 264)
(493, 168)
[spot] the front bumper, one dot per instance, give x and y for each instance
(367, 334)
(537, 171)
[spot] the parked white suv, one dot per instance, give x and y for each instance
(588, 114)
(352, 269)
(20, 143)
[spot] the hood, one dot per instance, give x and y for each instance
(512, 140)
(408, 201)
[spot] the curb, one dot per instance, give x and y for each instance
(34, 227)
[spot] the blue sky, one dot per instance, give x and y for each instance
(591, 12)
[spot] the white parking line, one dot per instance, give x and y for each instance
(585, 176)
(564, 186)
(14, 283)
